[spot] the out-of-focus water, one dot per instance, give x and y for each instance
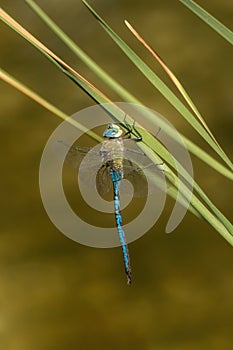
(57, 294)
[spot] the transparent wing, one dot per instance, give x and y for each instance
(134, 154)
(137, 160)
(137, 167)
(103, 180)
(74, 154)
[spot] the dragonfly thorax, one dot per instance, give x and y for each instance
(112, 149)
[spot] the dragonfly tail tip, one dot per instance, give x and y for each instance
(129, 280)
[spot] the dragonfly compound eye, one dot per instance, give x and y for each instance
(112, 130)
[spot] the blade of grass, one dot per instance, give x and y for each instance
(181, 89)
(209, 217)
(222, 225)
(203, 155)
(173, 78)
(153, 78)
(45, 104)
(98, 96)
(79, 52)
(118, 88)
(28, 92)
(215, 24)
(84, 84)
(203, 211)
(151, 142)
(90, 89)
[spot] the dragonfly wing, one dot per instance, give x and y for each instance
(139, 170)
(74, 155)
(134, 174)
(135, 154)
(103, 180)
(92, 168)
(89, 162)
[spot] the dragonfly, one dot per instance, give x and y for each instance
(117, 158)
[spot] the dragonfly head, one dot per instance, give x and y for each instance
(112, 131)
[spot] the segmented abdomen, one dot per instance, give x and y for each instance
(116, 177)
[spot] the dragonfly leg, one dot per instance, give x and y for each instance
(131, 130)
(127, 126)
(159, 129)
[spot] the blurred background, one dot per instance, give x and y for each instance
(57, 294)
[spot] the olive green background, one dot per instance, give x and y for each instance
(57, 294)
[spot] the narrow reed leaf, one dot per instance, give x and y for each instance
(196, 206)
(37, 98)
(215, 24)
(113, 84)
(77, 78)
(218, 221)
(41, 101)
(158, 83)
(217, 166)
(119, 89)
(205, 157)
(174, 79)
(151, 142)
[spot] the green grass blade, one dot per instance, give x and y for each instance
(91, 64)
(222, 30)
(215, 218)
(205, 157)
(118, 88)
(90, 89)
(197, 206)
(37, 98)
(45, 104)
(153, 144)
(158, 83)
(173, 78)
(218, 221)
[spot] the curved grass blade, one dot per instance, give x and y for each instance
(204, 156)
(174, 79)
(77, 78)
(210, 20)
(215, 222)
(186, 97)
(34, 96)
(119, 89)
(165, 91)
(201, 209)
(37, 98)
(91, 90)
(153, 143)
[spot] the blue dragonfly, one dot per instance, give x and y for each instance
(117, 158)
